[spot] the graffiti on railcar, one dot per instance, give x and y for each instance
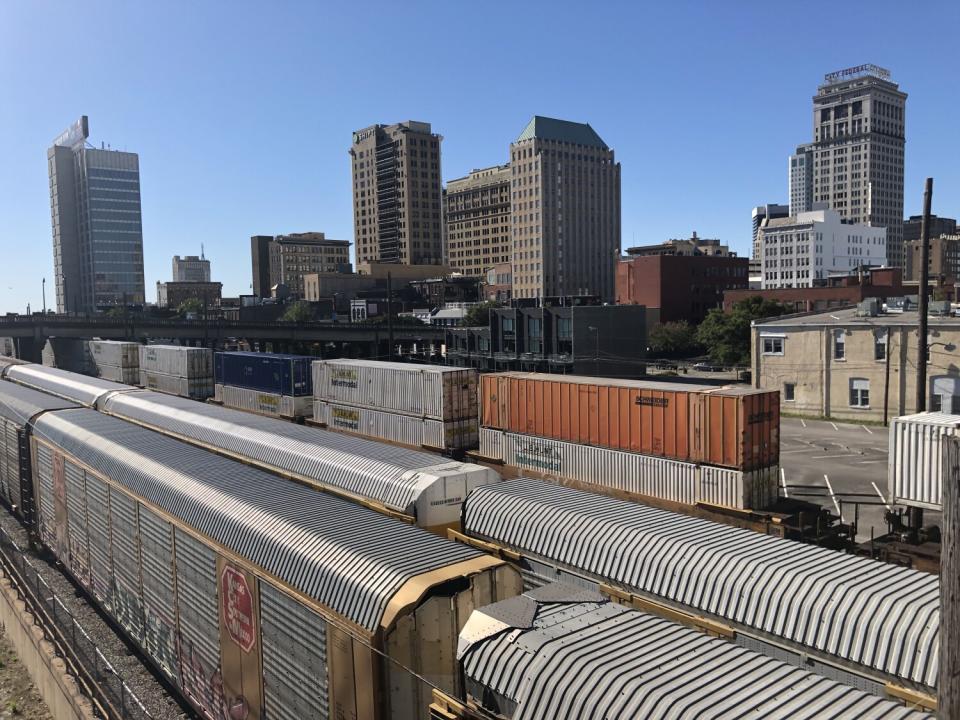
(128, 610)
(61, 542)
(160, 640)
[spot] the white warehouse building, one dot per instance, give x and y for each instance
(799, 250)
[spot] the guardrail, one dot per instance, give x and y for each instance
(97, 678)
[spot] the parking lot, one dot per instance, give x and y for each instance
(846, 457)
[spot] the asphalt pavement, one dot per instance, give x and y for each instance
(839, 465)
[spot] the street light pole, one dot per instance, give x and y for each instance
(43, 286)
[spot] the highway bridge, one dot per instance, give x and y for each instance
(30, 333)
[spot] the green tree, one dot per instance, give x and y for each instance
(190, 305)
(300, 311)
(674, 339)
(117, 312)
(727, 334)
(479, 315)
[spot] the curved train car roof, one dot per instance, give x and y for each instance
(81, 389)
(860, 610)
(20, 404)
(345, 557)
(386, 474)
(563, 652)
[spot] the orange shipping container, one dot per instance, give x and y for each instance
(726, 426)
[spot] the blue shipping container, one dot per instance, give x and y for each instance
(267, 372)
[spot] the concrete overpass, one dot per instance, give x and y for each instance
(30, 333)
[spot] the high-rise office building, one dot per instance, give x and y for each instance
(97, 231)
(285, 259)
(396, 194)
(477, 220)
(565, 207)
(191, 269)
(770, 211)
(859, 136)
(938, 226)
(801, 180)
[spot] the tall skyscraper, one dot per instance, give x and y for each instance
(477, 220)
(801, 180)
(770, 211)
(565, 207)
(97, 231)
(396, 194)
(859, 136)
(191, 269)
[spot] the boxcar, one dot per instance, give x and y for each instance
(18, 407)
(418, 487)
(854, 619)
(566, 653)
(255, 596)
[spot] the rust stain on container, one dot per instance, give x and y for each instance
(726, 426)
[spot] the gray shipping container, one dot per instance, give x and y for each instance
(265, 403)
(117, 353)
(438, 393)
(185, 362)
(199, 388)
(406, 429)
(915, 462)
(115, 373)
(646, 475)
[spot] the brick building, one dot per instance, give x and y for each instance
(836, 291)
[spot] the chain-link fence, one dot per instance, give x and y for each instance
(105, 685)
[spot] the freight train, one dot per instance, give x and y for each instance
(196, 555)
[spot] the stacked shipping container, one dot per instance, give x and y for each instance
(265, 383)
(681, 443)
(176, 370)
(413, 404)
(915, 473)
(117, 360)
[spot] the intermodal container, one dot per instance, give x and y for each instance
(115, 353)
(726, 426)
(116, 373)
(916, 463)
(404, 429)
(264, 403)
(267, 372)
(185, 362)
(197, 388)
(632, 473)
(429, 391)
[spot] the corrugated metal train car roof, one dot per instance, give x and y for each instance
(863, 611)
(349, 558)
(391, 475)
(62, 383)
(590, 659)
(19, 404)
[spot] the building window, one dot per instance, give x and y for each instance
(880, 345)
(773, 346)
(859, 393)
(789, 392)
(839, 345)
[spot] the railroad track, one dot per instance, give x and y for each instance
(97, 679)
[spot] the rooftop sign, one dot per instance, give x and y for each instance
(75, 134)
(858, 71)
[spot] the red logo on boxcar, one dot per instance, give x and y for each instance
(237, 603)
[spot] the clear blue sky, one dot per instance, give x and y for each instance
(242, 111)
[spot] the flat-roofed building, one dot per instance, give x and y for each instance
(477, 220)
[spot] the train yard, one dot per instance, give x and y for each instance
(263, 568)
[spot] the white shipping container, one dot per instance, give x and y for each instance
(196, 388)
(915, 462)
(125, 375)
(406, 429)
(265, 403)
(7, 347)
(116, 353)
(671, 480)
(184, 362)
(430, 391)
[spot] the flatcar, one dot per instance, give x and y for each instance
(864, 622)
(255, 596)
(560, 652)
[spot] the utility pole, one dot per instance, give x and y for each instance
(886, 377)
(948, 685)
(922, 303)
(44, 291)
(390, 315)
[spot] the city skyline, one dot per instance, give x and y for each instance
(218, 165)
